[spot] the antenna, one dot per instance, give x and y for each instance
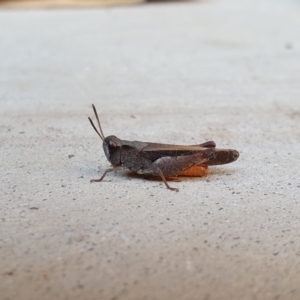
(102, 137)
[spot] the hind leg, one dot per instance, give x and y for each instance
(171, 166)
(165, 181)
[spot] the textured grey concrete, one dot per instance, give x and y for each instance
(178, 73)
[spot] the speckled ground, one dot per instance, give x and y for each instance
(185, 73)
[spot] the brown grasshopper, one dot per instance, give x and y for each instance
(161, 160)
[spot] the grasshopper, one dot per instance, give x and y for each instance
(161, 160)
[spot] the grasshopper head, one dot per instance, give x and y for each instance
(112, 148)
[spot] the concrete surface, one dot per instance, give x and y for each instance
(182, 72)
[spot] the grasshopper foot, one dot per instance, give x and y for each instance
(99, 180)
(95, 180)
(173, 189)
(104, 174)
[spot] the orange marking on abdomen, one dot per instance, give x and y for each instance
(195, 171)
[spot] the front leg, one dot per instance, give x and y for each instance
(104, 174)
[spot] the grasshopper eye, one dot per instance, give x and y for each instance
(112, 144)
